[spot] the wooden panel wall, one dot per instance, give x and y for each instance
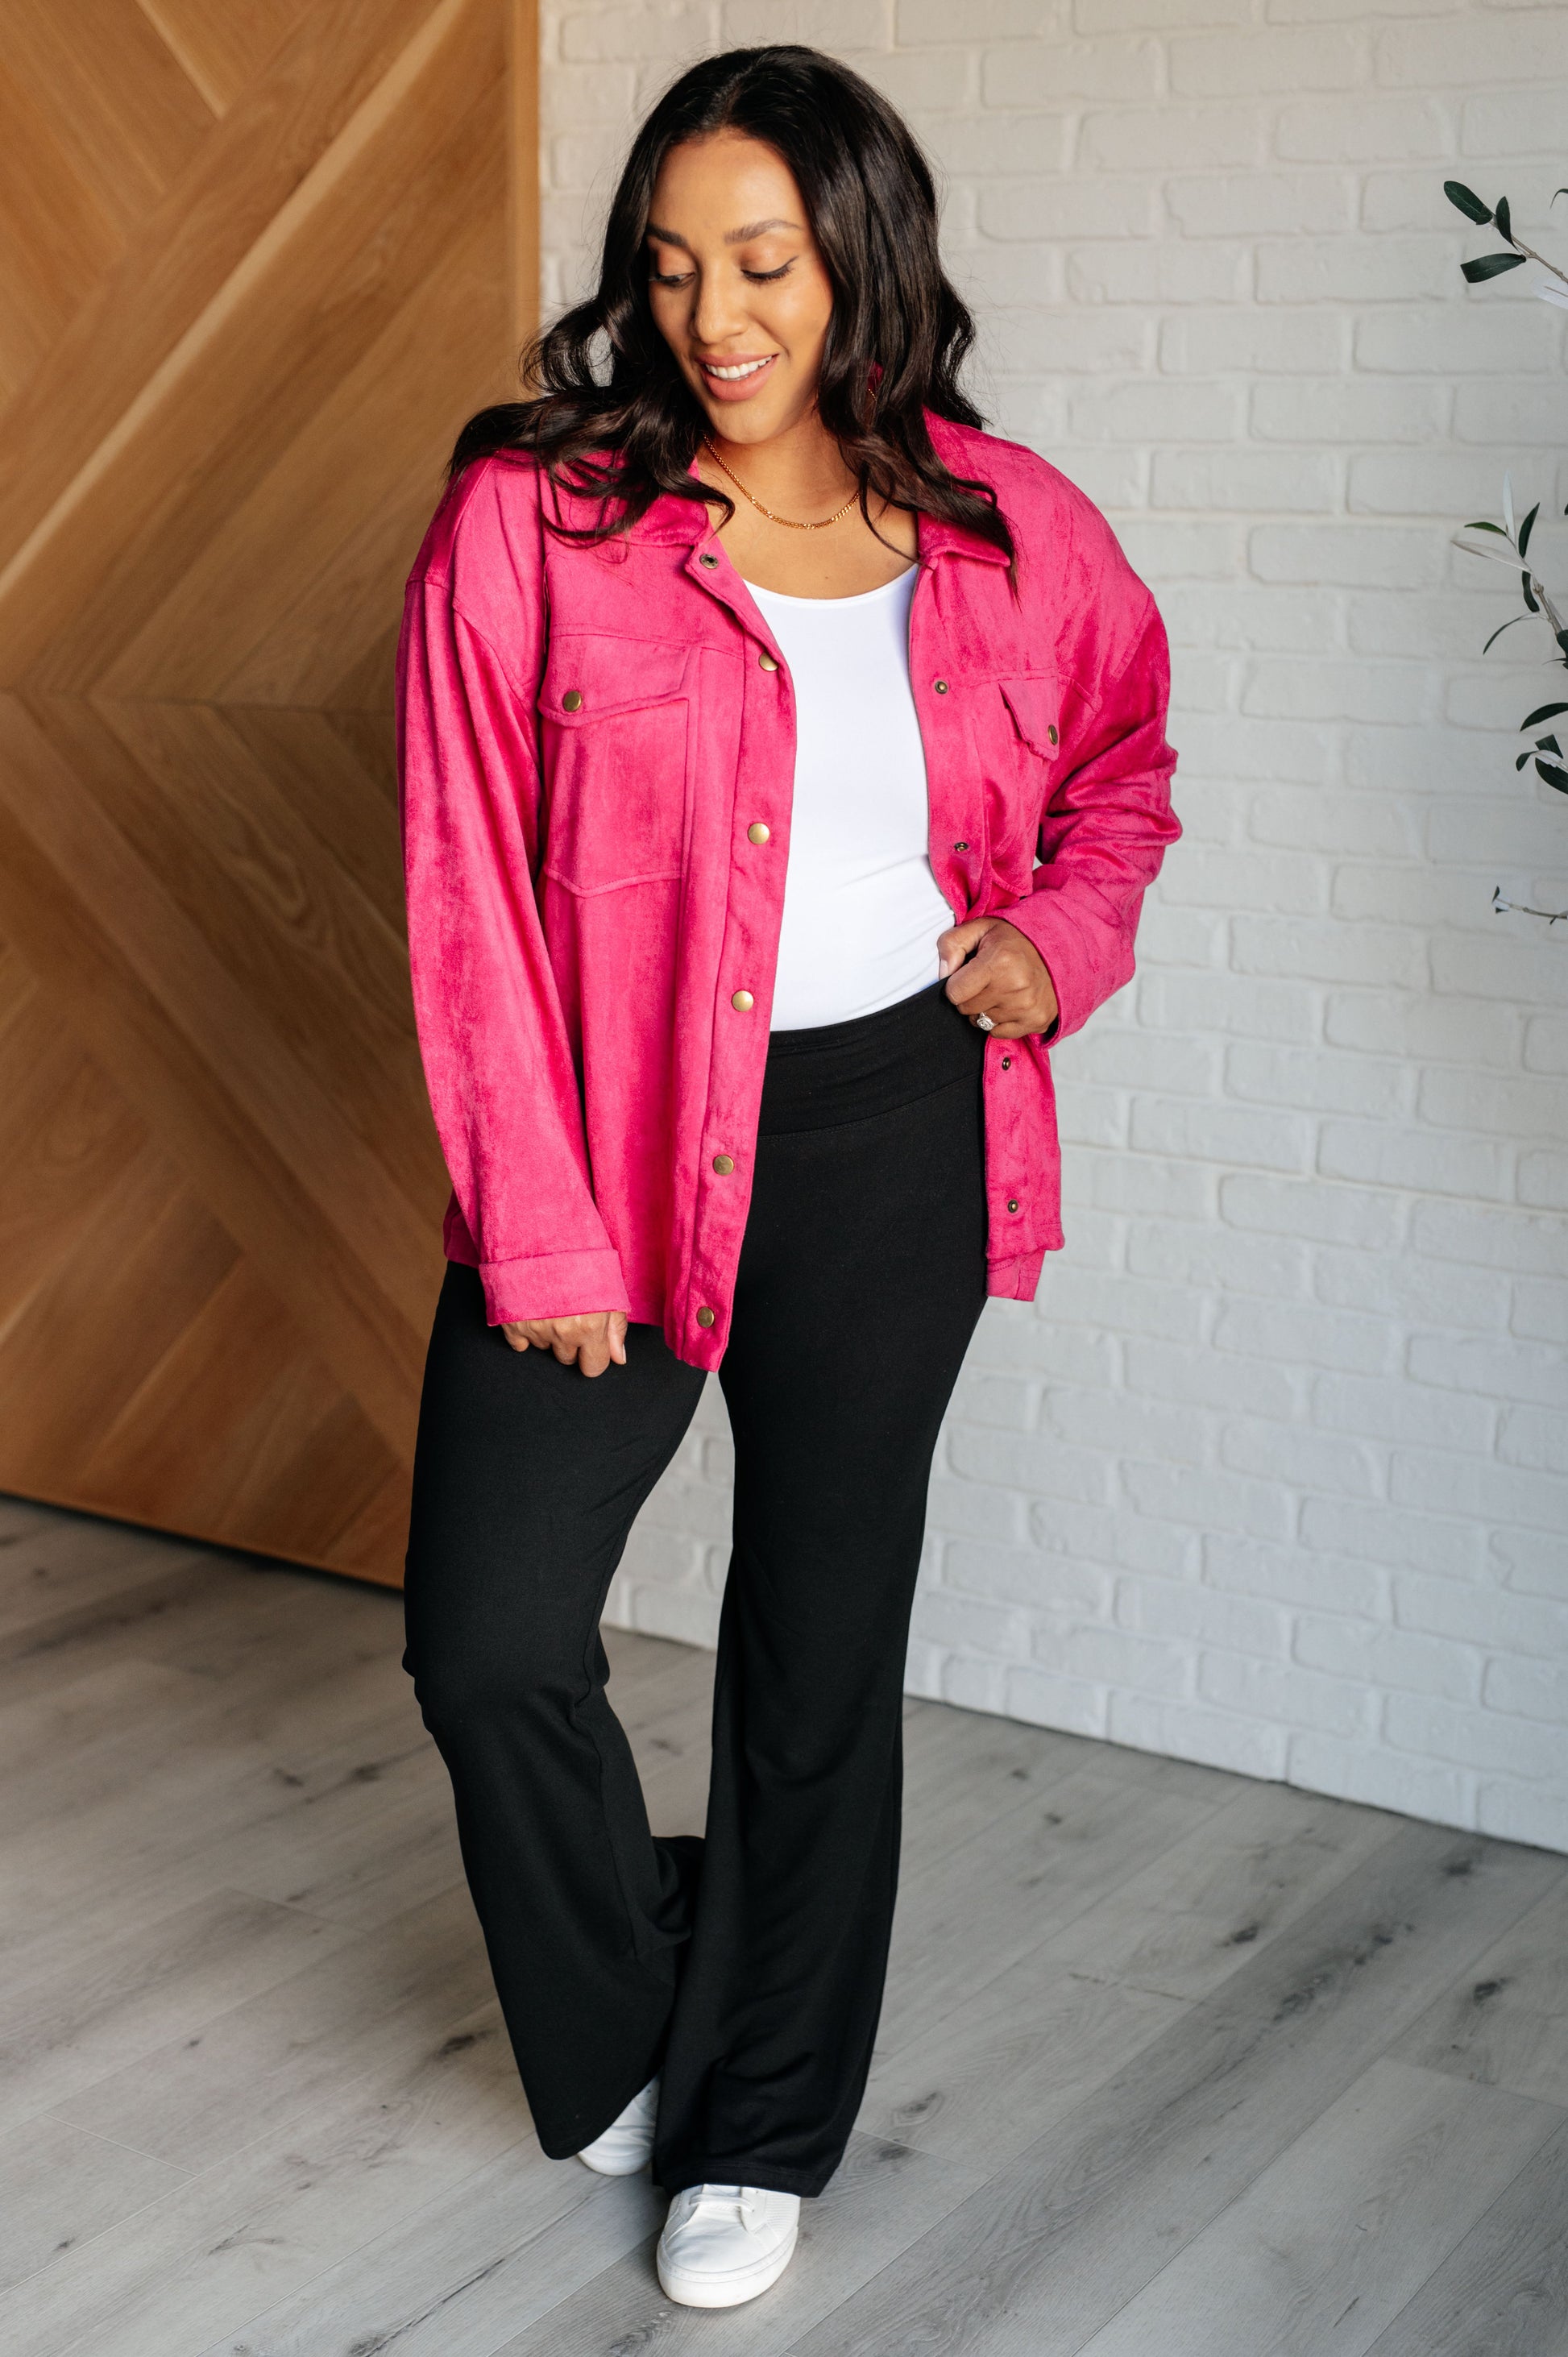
(258, 259)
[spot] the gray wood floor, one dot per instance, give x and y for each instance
(1172, 2064)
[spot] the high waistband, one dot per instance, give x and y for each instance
(836, 1072)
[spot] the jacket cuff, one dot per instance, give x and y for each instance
(1015, 1280)
(1041, 919)
(552, 1285)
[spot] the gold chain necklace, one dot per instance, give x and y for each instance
(789, 522)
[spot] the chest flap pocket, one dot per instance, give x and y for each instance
(613, 731)
(1035, 700)
(1023, 725)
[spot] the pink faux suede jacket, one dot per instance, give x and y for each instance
(596, 752)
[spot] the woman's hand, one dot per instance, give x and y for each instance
(1005, 978)
(592, 1340)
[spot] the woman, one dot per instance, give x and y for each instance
(743, 681)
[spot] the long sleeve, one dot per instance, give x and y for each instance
(1105, 829)
(498, 1061)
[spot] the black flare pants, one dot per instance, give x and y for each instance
(748, 1966)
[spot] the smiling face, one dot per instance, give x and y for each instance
(738, 289)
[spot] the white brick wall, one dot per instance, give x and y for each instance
(1273, 1474)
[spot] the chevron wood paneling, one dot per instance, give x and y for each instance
(258, 260)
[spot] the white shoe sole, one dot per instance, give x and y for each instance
(617, 2168)
(731, 2290)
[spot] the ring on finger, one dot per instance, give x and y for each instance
(982, 1022)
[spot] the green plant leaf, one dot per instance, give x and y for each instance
(1496, 634)
(1554, 777)
(1544, 712)
(1525, 528)
(1528, 593)
(1503, 220)
(1490, 265)
(1549, 745)
(1494, 527)
(1468, 203)
(1563, 642)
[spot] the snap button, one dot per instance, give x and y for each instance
(1011, 1202)
(940, 686)
(1051, 731)
(757, 831)
(742, 1001)
(961, 846)
(704, 1317)
(723, 1164)
(765, 662)
(708, 561)
(1007, 1063)
(572, 700)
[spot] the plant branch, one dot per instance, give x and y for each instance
(1530, 254)
(1515, 565)
(1522, 909)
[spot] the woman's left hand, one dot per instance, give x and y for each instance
(1006, 978)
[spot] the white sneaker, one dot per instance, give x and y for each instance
(627, 2145)
(725, 2243)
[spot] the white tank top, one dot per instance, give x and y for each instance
(862, 909)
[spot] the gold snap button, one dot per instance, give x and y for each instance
(1051, 732)
(708, 562)
(572, 700)
(757, 831)
(723, 1164)
(1011, 1202)
(742, 1001)
(704, 1317)
(961, 846)
(941, 686)
(766, 661)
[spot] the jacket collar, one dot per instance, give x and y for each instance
(952, 445)
(939, 539)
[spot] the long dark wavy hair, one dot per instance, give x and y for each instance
(896, 340)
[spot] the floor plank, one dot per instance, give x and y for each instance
(59, 2187)
(1007, 2061)
(1332, 2241)
(475, 2265)
(1505, 2023)
(969, 1914)
(266, 2222)
(1504, 2292)
(128, 1997)
(1224, 1893)
(50, 1565)
(1054, 2244)
(360, 2009)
